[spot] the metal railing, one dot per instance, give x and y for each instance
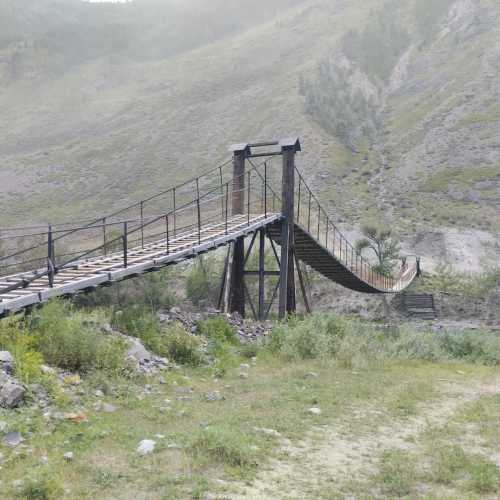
(313, 218)
(191, 212)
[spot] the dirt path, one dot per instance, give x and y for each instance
(337, 456)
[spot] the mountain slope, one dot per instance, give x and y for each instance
(407, 133)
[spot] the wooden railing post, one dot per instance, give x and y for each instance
(287, 303)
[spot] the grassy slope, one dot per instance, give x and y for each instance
(171, 117)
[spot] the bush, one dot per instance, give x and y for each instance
(17, 340)
(218, 329)
(67, 339)
(181, 347)
(318, 336)
(354, 343)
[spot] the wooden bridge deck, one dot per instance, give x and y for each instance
(102, 271)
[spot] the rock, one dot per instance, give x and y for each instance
(98, 393)
(11, 392)
(267, 432)
(213, 396)
(146, 447)
(6, 362)
(183, 390)
(47, 370)
(138, 352)
(69, 456)
(243, 375)
(73, 379)
(3, 426)
(311, 375)
(244, 366)
(13, 439)
(108, 408)
(314, 411)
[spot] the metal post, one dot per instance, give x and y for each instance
(298, 202)
(167, 229)
(221, 192)
(287, 303)
(125, 244)
(265, 189)
(227, 203)
(248, 198)
(199, 220)
(50, 257)
(175, 213)
(142, 224)
(319, 218)
(104, 239)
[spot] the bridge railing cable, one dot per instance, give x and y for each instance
(310, 214)
(207, 205)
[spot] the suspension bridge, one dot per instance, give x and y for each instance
(249, 198)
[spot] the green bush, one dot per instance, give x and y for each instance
(17, 340)
(67, 339)
(218, 329)
(318, 336)
(181, 347)
(354, 343)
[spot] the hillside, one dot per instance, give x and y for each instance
(398, 116)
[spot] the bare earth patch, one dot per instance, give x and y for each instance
(338, 455)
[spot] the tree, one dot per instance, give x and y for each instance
(383, 245)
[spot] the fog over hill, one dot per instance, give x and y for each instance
(396, 103)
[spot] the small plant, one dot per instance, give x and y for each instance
(484, 476)
(218, 331)
(448, 463)
(224, 445)
(40, 488)
(397, 473)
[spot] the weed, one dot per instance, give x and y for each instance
(448, 463)
(484, 476)
(397, 473)
(225, 445)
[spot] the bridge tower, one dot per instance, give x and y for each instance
(236, 266)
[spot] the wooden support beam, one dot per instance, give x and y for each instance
(237, 291)
(262, 272)
(287, 304)
(302, 286)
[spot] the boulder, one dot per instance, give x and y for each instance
(6, 362)
(11, 391)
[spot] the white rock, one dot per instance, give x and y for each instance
(69, 456)
(3, 426)
(244, 366)
(314, 411)
(243, 375)
(146, 447)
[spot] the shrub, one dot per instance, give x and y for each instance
(354, 343)
(17, 340)
(218, 329)
(182, 347)
(397, 473)
(315, 337)
(66, 338)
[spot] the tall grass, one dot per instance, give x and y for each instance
(354, 343)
